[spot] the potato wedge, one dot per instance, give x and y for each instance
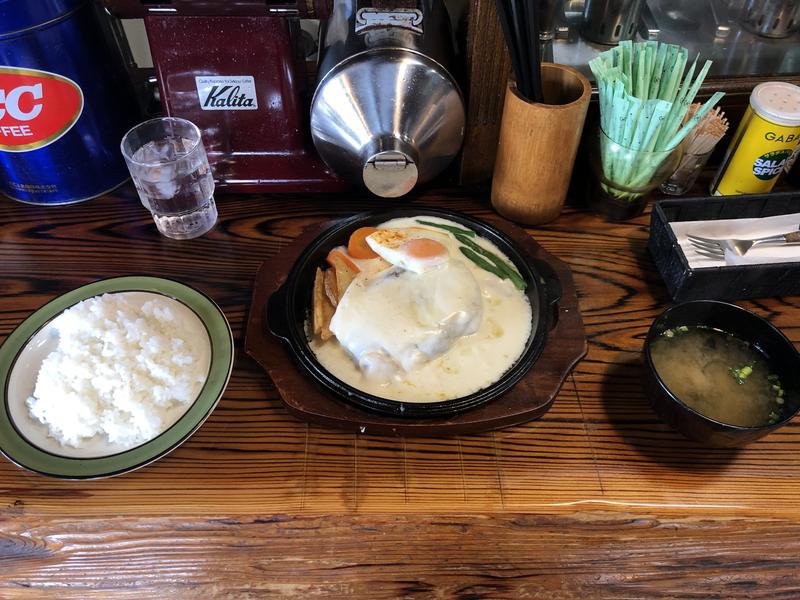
(326, 333)
(346, 271)
(331, 286)
(340, 254)
(317, 298)
(321, 308)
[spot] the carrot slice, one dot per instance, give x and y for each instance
(357, 245)
(339, 253)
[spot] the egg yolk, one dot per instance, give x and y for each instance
(423, 248)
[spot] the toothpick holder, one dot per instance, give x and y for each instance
(537, 146)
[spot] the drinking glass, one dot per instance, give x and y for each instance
(169, 168)
(623, 177)
(685, 174)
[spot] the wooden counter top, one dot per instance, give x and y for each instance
(596, 499)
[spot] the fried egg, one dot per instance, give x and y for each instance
(414, 249)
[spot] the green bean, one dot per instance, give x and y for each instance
(450, 228)
(482, 262)
(478, 254)
(498, 262)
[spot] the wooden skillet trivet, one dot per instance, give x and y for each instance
(529, 399)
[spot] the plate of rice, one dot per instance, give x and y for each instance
(111, 376)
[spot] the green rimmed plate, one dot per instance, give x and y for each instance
(24, 441)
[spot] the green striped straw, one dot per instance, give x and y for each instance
(644, 97)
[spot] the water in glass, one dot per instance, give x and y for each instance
(175, 183)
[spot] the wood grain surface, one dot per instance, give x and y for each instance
(596, 499)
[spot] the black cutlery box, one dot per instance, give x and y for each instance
(724, 282)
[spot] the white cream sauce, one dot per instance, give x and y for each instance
(472, 361)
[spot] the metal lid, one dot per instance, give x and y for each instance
(388, 118)
(778, 102)
(17, 16)
(390, 174)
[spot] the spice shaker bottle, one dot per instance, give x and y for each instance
(763, 142)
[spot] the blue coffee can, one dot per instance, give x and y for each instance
(65, 103)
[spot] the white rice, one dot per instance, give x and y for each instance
(120, 369)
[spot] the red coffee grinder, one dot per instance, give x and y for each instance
(234, 69)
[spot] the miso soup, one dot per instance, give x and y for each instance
(718, 375)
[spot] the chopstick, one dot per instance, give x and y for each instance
(535, 63)
(519, 20)
(508, 8)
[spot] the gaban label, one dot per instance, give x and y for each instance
(36, 108)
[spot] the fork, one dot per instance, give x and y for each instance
(715, 248)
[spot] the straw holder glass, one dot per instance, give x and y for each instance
(623, 177)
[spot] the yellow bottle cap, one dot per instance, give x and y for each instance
(777, 102)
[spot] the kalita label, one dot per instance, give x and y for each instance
(36, 108)
(224, 92)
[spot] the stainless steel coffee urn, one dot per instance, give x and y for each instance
(387, 113)
(771, 18)
(611, 21)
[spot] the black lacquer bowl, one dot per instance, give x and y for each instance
(288, 311)
(784, 361)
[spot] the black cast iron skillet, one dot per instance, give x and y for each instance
(288, 311)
